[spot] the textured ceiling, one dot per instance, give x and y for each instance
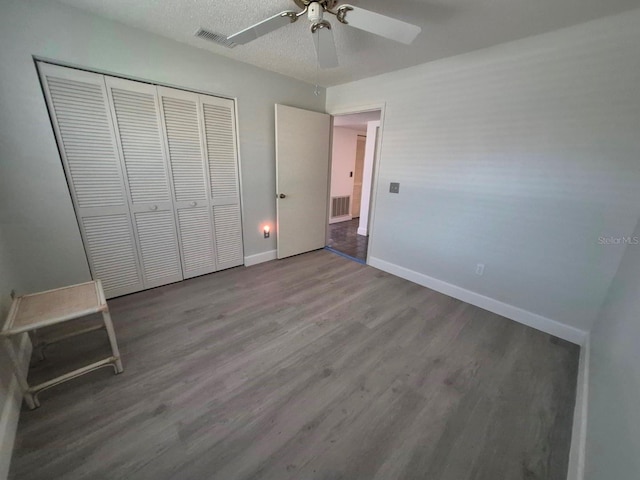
(449, 27)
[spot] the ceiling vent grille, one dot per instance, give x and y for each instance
(215, 38)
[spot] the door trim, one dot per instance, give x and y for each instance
(376, 161)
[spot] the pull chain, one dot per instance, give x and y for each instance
(316, 92)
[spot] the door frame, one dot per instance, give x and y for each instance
(372, 107)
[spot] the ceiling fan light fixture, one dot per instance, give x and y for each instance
(315, 11)
(292, 16)
(342, 13)
(318, 25)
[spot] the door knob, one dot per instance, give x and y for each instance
(153, 208)
(282, 195)
(193, 204)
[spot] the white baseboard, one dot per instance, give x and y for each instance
(363, 231)
(260, 258)
(577, 454)
(11, 411)
(343, 218)
(552, 327)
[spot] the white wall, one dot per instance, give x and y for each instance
(613, 425)
(518, 156)
(343, 161)
(36, 213)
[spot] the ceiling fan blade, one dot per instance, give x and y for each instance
(382, 25)
(325, 46)
(263, 27)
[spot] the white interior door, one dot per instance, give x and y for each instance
(302, 173)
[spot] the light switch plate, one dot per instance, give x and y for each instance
(394, 187)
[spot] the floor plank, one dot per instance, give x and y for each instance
(314, 367)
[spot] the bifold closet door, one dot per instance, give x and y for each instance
(153, 174)
(136, 116)
(188, 172)
(219, 124)
(82, 122)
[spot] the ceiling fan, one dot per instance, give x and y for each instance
(321, 29)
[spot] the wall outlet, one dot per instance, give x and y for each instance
(480, 269)
(394, 187)
(267, 233)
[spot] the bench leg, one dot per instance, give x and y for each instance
(38, 345)
(17, 371)
(106, 316)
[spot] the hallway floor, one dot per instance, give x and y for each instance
(344, 238)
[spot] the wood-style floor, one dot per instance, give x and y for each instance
(343, 237)
(314, 367)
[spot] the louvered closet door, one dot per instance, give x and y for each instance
(82, 122)
(221, 152)
(135, 109)
(192, 201)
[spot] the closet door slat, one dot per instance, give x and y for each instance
(228, 228)
(192, 202)
(138, 125)
(197, 240)
(111, 247)
(158, 247)
(136, 113)
(221, 151)
(78, 145)
(185, 148)
(80, 115)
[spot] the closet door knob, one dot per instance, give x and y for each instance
(282, 195)
(154, 207)
(193, 204)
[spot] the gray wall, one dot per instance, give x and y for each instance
(519, 157)
(613, 424)
(36, 213)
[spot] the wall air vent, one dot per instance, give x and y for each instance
(340, 206)
(215, 38)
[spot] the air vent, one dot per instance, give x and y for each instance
(340, 206)
(215, 38)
